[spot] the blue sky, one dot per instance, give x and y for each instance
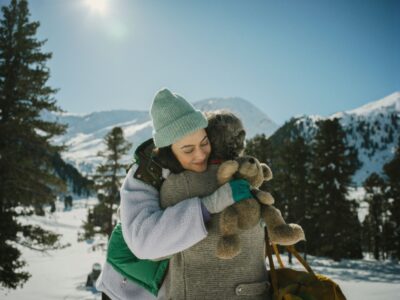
(286, 57)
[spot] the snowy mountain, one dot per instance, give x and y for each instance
(254, 120)
(373, 129)
(85, 134)
(84, 137)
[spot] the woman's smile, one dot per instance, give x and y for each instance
(193, 150)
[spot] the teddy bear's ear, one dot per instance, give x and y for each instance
(267, 172)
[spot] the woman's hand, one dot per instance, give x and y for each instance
(240, 189)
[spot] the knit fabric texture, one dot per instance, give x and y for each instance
(173, 118)
(196, 273)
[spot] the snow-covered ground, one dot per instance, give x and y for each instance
(62, 274)
(360, 279)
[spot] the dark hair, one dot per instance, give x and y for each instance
(166, 158)
(226, 134)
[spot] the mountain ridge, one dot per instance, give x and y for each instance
(85, 133)
(372, 128)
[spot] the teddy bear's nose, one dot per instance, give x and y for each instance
(251, 160)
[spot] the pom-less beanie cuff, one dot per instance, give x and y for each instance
(181, 127)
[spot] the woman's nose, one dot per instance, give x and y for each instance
(201, 154)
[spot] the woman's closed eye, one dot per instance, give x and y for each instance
(205, 143)
(188, 150)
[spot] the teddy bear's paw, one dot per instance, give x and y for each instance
(287, 234)
(226, 171)
(228, 247)
(265, 198)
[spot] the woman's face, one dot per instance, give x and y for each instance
(193, 150)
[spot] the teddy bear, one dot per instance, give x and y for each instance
(227, 135)
(242, 215)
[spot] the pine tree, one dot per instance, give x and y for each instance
(27, 181)
(291, 176)
(290, 184)
(289, 159)
(392, 171)
(337, 230)
(375, 222)
(259, 147)
(107, 182)
(79, 184)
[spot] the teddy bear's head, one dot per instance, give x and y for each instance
(226, 134)
(253, 171)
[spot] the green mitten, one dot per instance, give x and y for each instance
(240, 189)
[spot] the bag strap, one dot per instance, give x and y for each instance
(278, 256)
(294, 252)
(274, 277)
(291, 249)
(305, 264)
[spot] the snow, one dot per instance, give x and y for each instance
(372, 123)
(358, 194)
(132, 130)
(85, 133)
(62, 274)
(391, 102)
(372, 129)
(254, 120)
(358, 279)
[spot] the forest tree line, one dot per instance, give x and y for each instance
(311, 184)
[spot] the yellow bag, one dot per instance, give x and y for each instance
(289, 284)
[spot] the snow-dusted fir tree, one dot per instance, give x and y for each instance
(375, 225)
(27, 180)
(392, 171)
(337, 231)
(107, 182)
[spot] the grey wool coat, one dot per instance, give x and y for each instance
(196, 273)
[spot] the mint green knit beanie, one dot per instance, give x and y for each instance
(173, 118)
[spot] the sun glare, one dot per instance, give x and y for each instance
(97, 6)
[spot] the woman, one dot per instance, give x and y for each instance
(151, 233)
